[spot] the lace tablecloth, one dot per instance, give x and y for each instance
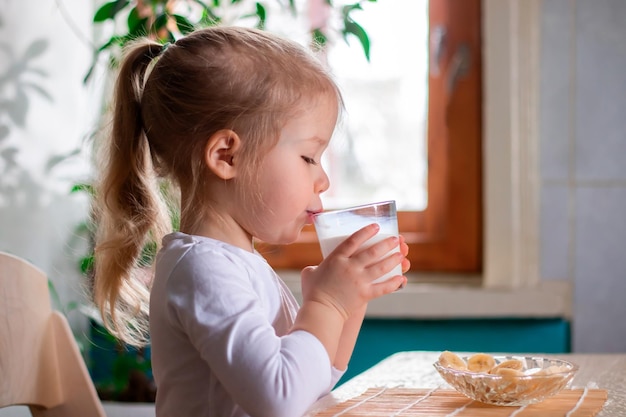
(415, 370)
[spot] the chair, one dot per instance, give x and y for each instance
(40, 364)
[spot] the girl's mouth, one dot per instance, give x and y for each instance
(311, 214)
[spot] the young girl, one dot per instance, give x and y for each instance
(238, 120)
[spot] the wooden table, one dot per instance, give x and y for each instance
(415, 370)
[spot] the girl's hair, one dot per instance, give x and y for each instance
(168, 101)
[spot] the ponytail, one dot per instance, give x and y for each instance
(129, 211)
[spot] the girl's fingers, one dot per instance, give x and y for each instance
(385, 265)
(349, 246)
(406, 265)
(388, 286)
(376, 251)
(404, 248)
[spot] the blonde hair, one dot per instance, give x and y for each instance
(168, 101)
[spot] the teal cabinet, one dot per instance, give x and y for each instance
(380, 338)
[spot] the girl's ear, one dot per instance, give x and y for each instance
(219, 153)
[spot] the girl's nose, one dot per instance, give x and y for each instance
(322, 182)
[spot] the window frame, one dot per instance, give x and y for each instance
(512, 39)
(509, 285)
(447, 235)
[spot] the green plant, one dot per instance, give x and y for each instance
(165, 20)
(120, 372)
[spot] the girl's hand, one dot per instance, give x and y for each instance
(343, 280)
(406, 264)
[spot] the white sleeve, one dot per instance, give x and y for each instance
(336, 375)
(212, 301)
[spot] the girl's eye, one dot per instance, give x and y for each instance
(309, 160)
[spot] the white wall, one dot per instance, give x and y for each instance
(583, 145)
(46, 116)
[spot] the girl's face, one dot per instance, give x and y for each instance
(291, 177)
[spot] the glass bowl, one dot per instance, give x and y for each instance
(539, 378)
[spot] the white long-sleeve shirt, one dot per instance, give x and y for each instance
(219, 323)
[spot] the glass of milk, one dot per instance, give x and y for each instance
(334, 226)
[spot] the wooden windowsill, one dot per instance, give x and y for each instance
(462, 297)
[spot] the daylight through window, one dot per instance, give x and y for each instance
(379, 152)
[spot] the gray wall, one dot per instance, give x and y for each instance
(583, 169)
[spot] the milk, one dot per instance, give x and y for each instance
(334, 227)
(329, 244)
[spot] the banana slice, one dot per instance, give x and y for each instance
(481, 362)
(507, 372)
(508, 364)
(554, 369)
(450, 360)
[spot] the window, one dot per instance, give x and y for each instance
(509, 285)
(447, 234)
(386, 99)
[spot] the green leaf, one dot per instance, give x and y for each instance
(319, 39)
(109, 10)
(159, 23)
(83, 187)
(184, 25)
(115, 40)
(292, 7)
(86, 264)
(133, 19)
(261, 14)
(121, 41)
(113, 62)
(208, 17)
(90, 71)
(140, 29)
(353, 28)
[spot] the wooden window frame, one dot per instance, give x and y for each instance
(448, 235)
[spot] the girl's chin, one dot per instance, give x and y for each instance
(289, 240)
(284, 239)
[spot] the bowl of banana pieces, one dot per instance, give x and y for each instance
(509, 380)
